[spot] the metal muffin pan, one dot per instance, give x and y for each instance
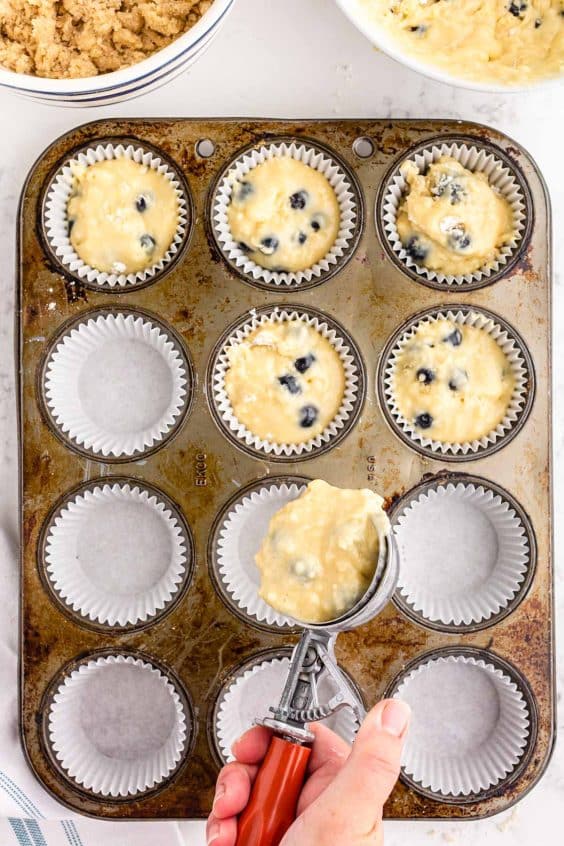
(199, 639)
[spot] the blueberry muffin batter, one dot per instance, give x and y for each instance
(507, 42)
(321, 551)
(122, 215)
(285, 382)
(284, 214)
(451, 220)
(452, 382)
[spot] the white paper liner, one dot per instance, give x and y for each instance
(56, 218)
(250, 696)
(469, 737)
(240, 538)
(319, 160)
(117, 726)
(116, 554)
(512, 351)
(350, 397)
(135, 402)
(478, 160)
(464, 554)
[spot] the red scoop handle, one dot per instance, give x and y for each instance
(274, 797)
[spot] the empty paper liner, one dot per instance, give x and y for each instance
(117, 554)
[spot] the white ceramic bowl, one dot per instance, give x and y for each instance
(130, 82)
(389, 45)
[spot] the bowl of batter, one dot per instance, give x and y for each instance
(487, 45)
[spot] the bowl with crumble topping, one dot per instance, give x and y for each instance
(486, 45)
(97, 52)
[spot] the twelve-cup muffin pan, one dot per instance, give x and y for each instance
(129, 662)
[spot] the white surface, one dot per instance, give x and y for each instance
(290, 58)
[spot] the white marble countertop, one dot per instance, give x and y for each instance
(290, 58)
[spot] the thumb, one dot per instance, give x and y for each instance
(351, 807)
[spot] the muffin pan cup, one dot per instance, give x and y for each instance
(503, 175)
(348, 195)
(351, 403)
(202, 470)
(55, 224)
(518, 359)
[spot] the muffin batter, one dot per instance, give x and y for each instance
(321, 551)
(507, 42)
(452, 382)
(81, 38)
(285, 382)
(122, 215)
(452, 220)
(284, 214)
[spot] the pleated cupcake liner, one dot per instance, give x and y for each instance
(432, 583)
(66, 373)
(56, 225)
(349, 403)
(349, 207)
(97, 747)
(511, 347)
(127, 604)
(478, 160)
(473, 735)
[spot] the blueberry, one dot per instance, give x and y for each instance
(244, 190)
(425, 376)
(415, 249)
(302, 238)
(419, 29)
(142, 203)
(517, 7)
(304, 362)
(290, 382)
(308, 416)
(70, 225)
(424, 420)
(538, 23)
(269, 245)
(455, 338)
(317, 222)
(244, 247)
(148, 243)
(299, 200)
(458, 238)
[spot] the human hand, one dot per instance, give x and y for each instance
(342, 799)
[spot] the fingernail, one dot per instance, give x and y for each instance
(213, 833)
(220, 792)
(395, 717)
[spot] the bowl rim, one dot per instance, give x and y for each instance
(388, 46)
(137, 72)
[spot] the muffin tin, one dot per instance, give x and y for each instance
(195, 637)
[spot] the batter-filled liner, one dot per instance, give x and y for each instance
(517, 357)
(117, 554)
(116, 384)
(350, 206)
(351, 402)
(478, 158)
(56, 224)
(471, 737)
(132, 740)
(253, 689)
(464, 554)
